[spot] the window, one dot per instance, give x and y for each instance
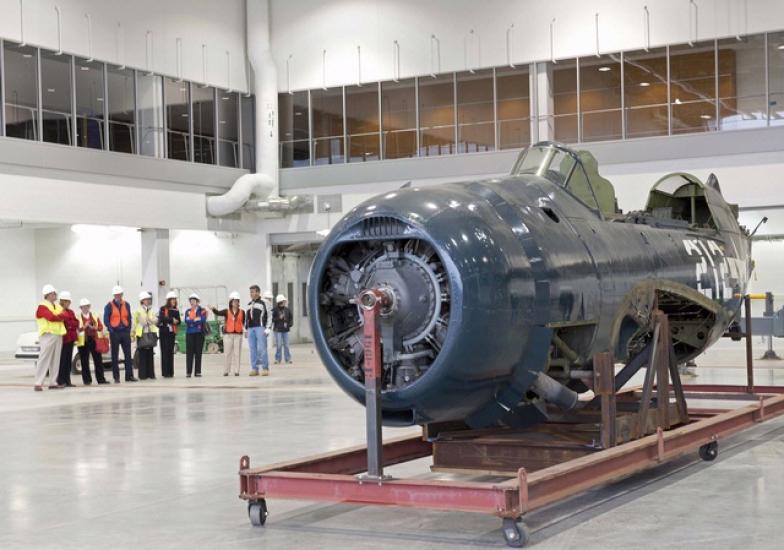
(327, 112)
(362, 122)
(645, 93)
(775, 77)
(151, 136)
(290, 296)
(228, 133)
(203, 98)
(475, 112)
(398, 119)
(600, 97)
(742, 83)
(56, 97)
(693, 88)
(514, 109)
(176, 96)
(437, 115)
(294, 129)
(564, 82)
(304, 299)
(21, 91)
(248, 113)
(122, 110)
(89, 104)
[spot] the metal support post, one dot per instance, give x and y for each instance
(749, 356)
(604, 387)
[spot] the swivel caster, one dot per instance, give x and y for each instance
(257, 512)
(709, 451)
(516, 534)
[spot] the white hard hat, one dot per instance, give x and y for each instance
(280, 298)
(117, 290)
(194, 296)
(65, 295)
(234, 296)
(267, 295)
(48, 289)
(84, 302)
(171, 294)
(144, 295)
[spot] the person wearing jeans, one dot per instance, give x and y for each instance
(282, 320)
(232, 333)
(51, 329)
(195, 319)
(117, 318)
(257, 321)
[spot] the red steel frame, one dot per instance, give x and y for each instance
(332, 477)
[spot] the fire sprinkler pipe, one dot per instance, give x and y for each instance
(264, 183)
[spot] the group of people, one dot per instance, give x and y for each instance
(60, 329)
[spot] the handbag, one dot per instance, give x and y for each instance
(148, 340)
(102, 344)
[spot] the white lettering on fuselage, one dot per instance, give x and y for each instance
(718, 276)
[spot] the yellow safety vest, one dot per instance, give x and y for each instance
(45, 326)
(81, 337)
(138, 321)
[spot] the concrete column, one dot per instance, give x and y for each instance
(543, 78)
(264, 80)
(156, 275)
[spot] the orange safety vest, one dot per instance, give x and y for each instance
(119, 315)
(234, 325)
(173, 326)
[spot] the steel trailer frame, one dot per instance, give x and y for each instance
(335, 476)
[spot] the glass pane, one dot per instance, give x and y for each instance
(176, 97)
(21, 91)
(203, 124)
(293, 116)
(247, 108)
(514, 109)
(693, 88)
(89, 104)
(227, 129)
(56, 97)
(645, 92)
(327, 106)
(294, 154)
(742, 83)
(122, 110)
(600, 97)
(475, 126)
(150, 114)
(775, 76)
(398, 119)
(565, 101)
(437, 115)
(362, 122)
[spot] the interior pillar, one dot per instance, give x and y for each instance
(156, 274)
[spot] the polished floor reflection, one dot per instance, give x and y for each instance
(154, 464)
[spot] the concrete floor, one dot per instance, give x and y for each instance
(154, 465)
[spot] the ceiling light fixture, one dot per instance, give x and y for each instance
(84, 68)
(677, 101)
(644, 84)
(706, 117)
(50, 90)
(604, 69)
(780, 47)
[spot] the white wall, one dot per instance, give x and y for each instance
(303, 29)
(18, 287)
(219, 25)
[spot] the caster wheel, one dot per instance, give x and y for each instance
(257, 512)
(709, 451)
(516, 533)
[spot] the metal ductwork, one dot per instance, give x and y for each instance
(246, 186)
(282, 205)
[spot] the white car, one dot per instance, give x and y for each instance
(28, 347)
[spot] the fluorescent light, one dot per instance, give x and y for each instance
(27, 55)
(644, 84)
(98, 99)
(677, 101)
(706, 117)
(50, 90)
(604, 69)
(222, 122)
(780, 47)
(297, 113)
(225, 98)
(84, 68)
(184, 115)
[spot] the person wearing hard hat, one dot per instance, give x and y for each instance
(117, 319)
(69, 340)
(257, 328)
(195, 327)
(90, 328)
(145, 331)
(233, 329)
(168, 322)
(51, 328)
(282, 319)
